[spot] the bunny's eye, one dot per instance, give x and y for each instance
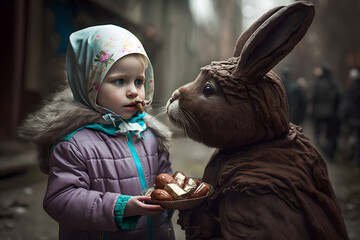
(208, 90)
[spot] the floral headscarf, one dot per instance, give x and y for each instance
(91, 53)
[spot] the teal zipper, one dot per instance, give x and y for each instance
(141, 174)
(137, 162)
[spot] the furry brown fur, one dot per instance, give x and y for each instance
(60, 115)
(269, 181)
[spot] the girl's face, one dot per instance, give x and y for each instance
(122, 85)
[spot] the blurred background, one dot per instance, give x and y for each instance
(321, 76)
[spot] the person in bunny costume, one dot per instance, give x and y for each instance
(269, 180)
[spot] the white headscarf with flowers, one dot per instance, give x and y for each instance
(91, 53)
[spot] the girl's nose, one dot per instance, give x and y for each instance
(132, 92)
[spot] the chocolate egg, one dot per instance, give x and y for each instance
(161, 194)
(202, 190)
(162, 179)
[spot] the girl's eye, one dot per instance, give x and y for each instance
(208, 90)
(119, 81)
(139, 82)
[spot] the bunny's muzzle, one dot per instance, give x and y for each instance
(175, 96)
(172, 107)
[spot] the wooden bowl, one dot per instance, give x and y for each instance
(177, 204)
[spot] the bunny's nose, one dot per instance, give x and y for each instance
(175, 95)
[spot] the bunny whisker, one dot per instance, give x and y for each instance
(156, 111)
(190, 124)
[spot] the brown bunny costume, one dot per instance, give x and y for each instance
(269, 180)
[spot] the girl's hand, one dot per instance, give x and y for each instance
(136, 206)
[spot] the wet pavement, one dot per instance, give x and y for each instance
(22, 188)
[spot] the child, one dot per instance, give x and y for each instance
(98, 150)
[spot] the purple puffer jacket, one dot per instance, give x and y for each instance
(86, 175)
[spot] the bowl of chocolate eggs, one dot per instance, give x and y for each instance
(178, 192)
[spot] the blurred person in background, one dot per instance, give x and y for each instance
(350, 112)
(325, 103)
(296, 97)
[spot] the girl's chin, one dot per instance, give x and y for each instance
(127, 114)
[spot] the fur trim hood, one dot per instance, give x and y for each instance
(61, 115)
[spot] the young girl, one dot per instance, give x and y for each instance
(98, 150)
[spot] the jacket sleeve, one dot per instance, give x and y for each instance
(125, 223)
(68, 198)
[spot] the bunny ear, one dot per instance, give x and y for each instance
(274, 39)
(247, 33)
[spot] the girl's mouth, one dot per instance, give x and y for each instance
(130, 107)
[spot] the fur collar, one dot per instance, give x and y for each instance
(60, 115)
